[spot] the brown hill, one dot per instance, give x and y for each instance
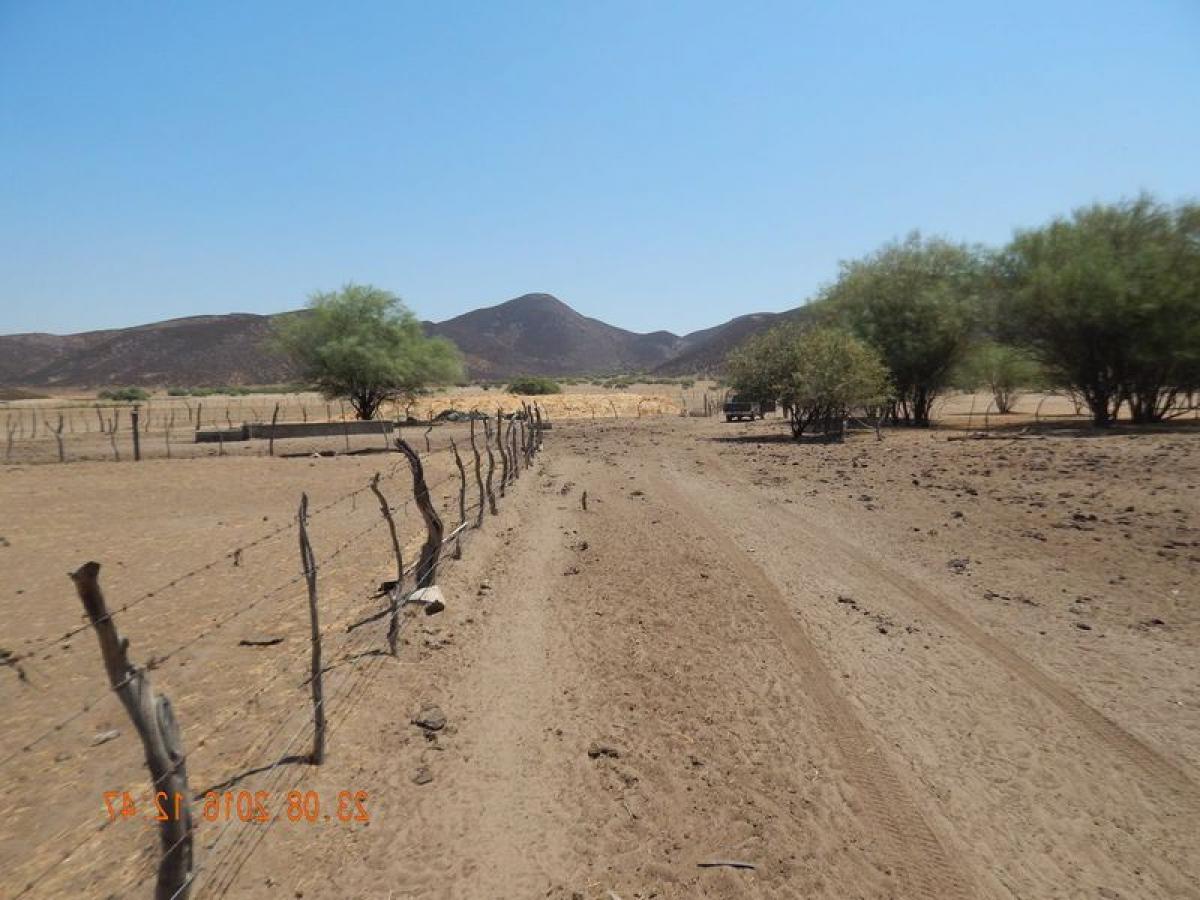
(535, 334)
(195, 351)
(538, 334)
(704, 351)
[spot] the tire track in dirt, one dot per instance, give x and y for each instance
(1182, 787)
(920, 862)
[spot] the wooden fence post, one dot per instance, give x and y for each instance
(58, 436)
(137, 447)
(199, 413)
(10, 429)
(504, 464)
(478, 473)
(487, 444)
(318, 694)
(156, 726)
(271, 440)
(394, 604)
(462, 499)
(512, 443)
(432, 549)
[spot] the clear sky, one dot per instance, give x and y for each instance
(654, 164)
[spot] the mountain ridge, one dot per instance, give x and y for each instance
(533, 334)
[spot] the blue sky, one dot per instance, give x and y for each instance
(654, 164)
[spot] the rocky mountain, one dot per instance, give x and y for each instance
(538, 334)
(703, 352)
(535, 334)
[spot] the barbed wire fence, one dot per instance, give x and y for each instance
(350, 640)
(181, 427)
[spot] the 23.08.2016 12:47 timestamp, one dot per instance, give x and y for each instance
(244, 806)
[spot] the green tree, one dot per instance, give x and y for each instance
(1006, 371)
(534, 384)
(819, 374)
(363, 344)
(1110, 301)
(916, 302)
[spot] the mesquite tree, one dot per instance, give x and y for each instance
(915, 301)
(820, 375)
(363, 344)
(1109, 299)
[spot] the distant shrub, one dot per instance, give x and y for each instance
(534, 384)
(125, 395)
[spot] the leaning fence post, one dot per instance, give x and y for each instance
(137, 447)
(271, 441)
(58, 436)
(478, 473)
(487, 444)
(512, 443)
(156, 726)
(394, 605)
(318, 694)
(462, 499)
(432, 550)
(504, 465)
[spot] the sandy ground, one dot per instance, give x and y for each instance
(918, 667)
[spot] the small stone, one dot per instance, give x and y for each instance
(422, 776)
(597, 749)
(431, 719)
(1083, 626)
(104, 737)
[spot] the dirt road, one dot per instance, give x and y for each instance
(859, 669)
(700, 669)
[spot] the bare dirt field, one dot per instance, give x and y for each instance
(916, 667)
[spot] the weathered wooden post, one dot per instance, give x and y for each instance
(58, 436)
(431, 551)
(137, 446)
(504, 465)
(487, 443)
(512, 443)
(154, 720)
(462, 499)
(318, 693)
(271, 440)
(199, 414)
(394, 594)
(478, 473)
(10, 429)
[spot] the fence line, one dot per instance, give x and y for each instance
(65, 432)
(421, 572)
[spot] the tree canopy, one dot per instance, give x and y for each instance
(819, 374)
(363, 344)
(915, 301)
(1110, 301)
